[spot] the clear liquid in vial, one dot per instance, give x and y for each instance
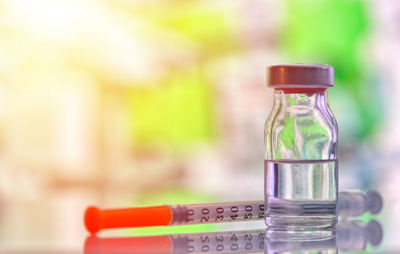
(300, 194)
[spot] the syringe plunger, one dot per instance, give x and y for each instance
(355, 203)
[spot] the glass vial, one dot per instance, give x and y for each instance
(301, 134)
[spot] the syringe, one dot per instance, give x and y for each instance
(350, 203)
(168, 215)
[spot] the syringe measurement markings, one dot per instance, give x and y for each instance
(215, 213)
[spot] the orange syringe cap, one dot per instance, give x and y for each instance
(96, 219)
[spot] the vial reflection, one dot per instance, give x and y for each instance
(351, 235)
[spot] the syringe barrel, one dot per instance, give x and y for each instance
(217, 212)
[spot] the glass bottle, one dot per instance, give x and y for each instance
(301, 134)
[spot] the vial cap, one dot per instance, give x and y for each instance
(300, 76)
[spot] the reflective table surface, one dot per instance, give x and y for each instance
(362, 235)
(367, 233)
(350, 236)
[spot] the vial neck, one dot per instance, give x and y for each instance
(304, 97)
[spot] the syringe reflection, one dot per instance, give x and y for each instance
(350, 236)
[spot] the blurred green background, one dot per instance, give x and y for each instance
(119, 103)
